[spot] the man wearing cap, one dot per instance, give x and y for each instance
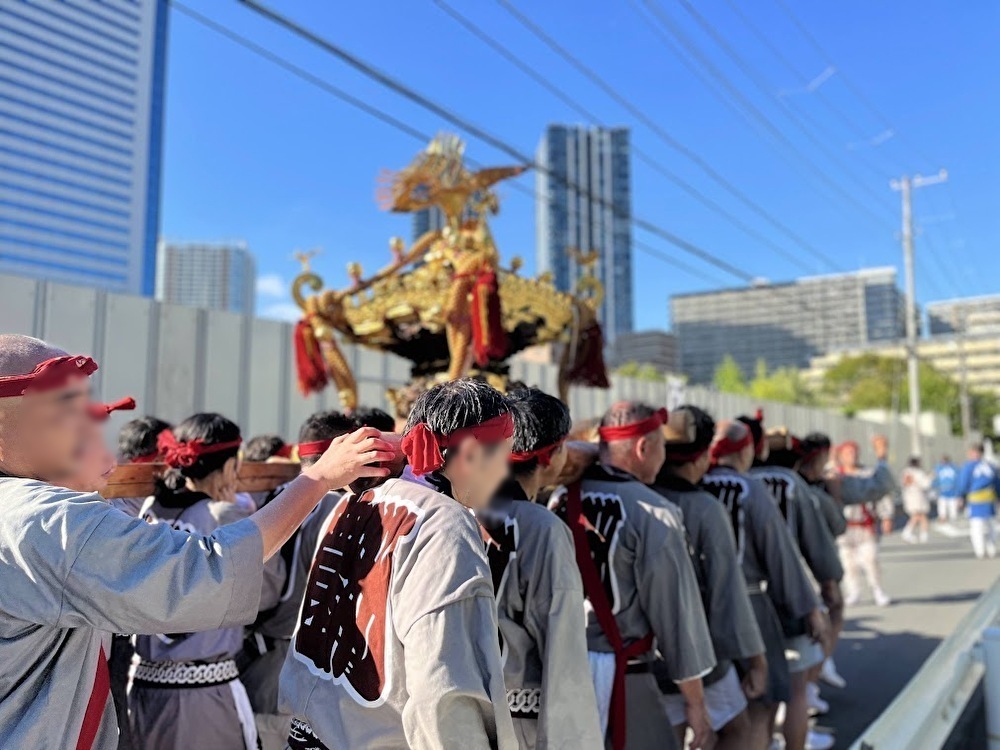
(73, 569)
(539, 593)
(773, 570)
(640, 586)
(736, 637)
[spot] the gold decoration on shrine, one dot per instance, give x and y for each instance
(446, 303)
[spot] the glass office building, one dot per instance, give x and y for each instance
(584, 201)
(81, 115)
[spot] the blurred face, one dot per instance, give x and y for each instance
(547, 475)
(96, 464)
(45, 435)
(848, 457)
(476, 470)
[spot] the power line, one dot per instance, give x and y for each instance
(754, 74)
(487, 137)
(751, 110)
(858, 94)
(662, 134)
(392, 121)
(801, 79)
(641, 154)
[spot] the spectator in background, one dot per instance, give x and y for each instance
(946, 485)
(916, 503)
(978, 486)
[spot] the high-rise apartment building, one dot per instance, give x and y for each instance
(82, 84)
(584, 202)
(786, 324)
(965, 315)
(216, 275)
(656, 348)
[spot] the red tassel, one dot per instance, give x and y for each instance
(588, 368)
(489, 339)
(422, 450)
(309, 362)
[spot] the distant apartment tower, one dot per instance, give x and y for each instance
(427, 220)
(656, 348)
(965, 315)
(786, 324)
(82, 85)
(584, 201)
(215, 275)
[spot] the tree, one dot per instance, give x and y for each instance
(729, 378)
(869, 381)
(633, 369)
(784, 385)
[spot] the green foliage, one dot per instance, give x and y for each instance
(729, 378)
(784, 385)
(869, 381)
(636, 371)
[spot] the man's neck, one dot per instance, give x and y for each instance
(688, 472)
(530, 484)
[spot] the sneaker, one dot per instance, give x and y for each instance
(817, 706)
(882, 599)
(831, 676)
(819, 741)
(852, 599)
(923, 537)
(908, 537)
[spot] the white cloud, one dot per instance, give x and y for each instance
(272, 285)
(287, 311)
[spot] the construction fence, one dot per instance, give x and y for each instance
(177, 361)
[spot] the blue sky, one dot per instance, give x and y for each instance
(254, 153)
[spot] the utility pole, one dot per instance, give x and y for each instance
(963, 375)
(905, 186)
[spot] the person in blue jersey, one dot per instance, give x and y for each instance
(949, 504)
(979, 485)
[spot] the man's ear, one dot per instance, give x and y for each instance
(641, 448)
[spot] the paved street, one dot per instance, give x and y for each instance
(933, 586)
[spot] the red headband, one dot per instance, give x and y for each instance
(47, 375)
(285, 451)
(635, 430)
(315, 448)
(422, 447)
(182, 453)
(543, 454)
(101, 412)
(725, 446)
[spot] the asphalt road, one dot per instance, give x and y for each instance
(933, 585)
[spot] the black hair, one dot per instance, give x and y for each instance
(914, 462)
(815, 441)
(137, 438)
(262, 447)
(209, 429)
(448, 407)
(704, 434)
(539, 420)
(324, 425)
(756, 427)
(372, 417)
(946, 459)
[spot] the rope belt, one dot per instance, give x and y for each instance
(185, 674)
(524, 703)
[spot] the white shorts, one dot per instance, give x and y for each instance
(724, 700)
(802, 653)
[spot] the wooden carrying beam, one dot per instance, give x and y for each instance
(136, 480)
